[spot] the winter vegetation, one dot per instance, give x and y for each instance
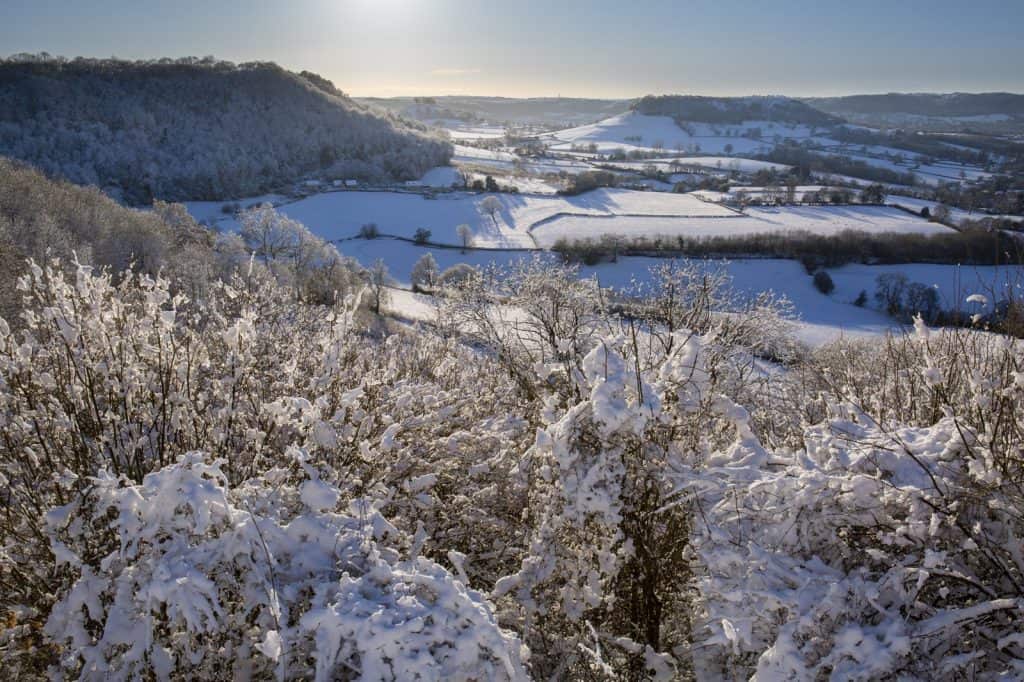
(41, 220)
(198, 128)
(685, 108)
(552, 480)
(370, 405)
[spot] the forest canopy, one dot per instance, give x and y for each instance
(197, 128)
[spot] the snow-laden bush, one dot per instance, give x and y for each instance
(184, 574)
(636, 498)
(608, 560)
(112, 381)
(877, 551)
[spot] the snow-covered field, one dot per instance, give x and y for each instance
(525, 222)
(953, 283)
(821, 318)
(474, 132)
(823, 220)
(212, 211)
(467, 154)
(340, 215)
(661, 132)
(441, 176)
(714, 163)
(754, 191)
(957, 215)
(930, 174)
(834, 219)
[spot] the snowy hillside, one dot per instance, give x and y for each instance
(340, 215)
(264, 461)
(823, 220)
(198, 129)
(633, 130)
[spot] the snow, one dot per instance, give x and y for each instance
(400, 256)
(524, 184)
(464, 153)
(931, 174)
(523, 218)
(441, 176)
(474, 132)
(956, 215)
(834, 219)
(954, 283)
(823, 220)
(715, 163)
(212, 211)
(822, 318)
(340, 215)
(611, 134)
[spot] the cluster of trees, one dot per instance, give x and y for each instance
(733, 110)
(906, 300)
(541, 484)
(924, 145)
(198, 128)
(489, 184)
(849, 246)
(585, 181)
(807, 162)
(902, 298)
(996, 194)
(43, 219)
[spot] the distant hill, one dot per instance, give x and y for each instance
(536, 110)
(733, 110)
(985, 112)
(197, 128)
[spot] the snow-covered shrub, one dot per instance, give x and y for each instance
(879, 550)
(609, 557)
(185, 574)
(312, 267)
(251, 485)
(110, 383)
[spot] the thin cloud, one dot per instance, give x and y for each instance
(454, 72)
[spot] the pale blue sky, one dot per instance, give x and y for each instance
(600, 48)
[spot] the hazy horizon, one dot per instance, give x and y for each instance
(600, 49)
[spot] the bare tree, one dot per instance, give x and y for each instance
(491, 206)
(378, 284)
(424, 273)
(465, 235)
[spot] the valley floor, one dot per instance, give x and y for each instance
(525, 224)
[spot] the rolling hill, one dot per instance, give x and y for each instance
(993, 112)
(198, 128)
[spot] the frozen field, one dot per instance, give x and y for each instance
(340, 215)
(834, 219)
(713, 163)
(459, 131)
(824, 220)
(933, 174)
(821, 318)
(441, 176)
(956, 214)
(466, 154)
(953, 283)
(211, 211)
(662, 131)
